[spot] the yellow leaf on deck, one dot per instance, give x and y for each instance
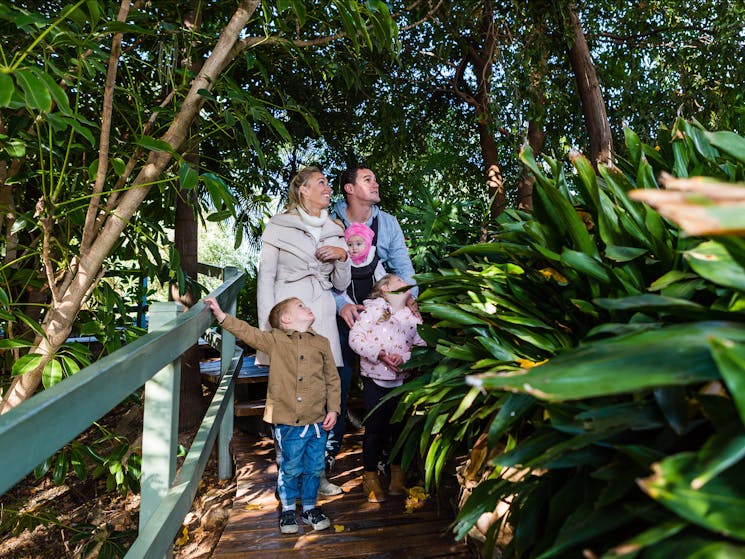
(251, 506)
(415, 499)
(339, 527)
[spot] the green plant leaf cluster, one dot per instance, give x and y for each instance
(598, 352)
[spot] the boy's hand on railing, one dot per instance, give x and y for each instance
(214, 306)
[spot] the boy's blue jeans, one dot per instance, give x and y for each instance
(302, 463)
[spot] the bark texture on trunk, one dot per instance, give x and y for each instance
(588, 87)
(192, 404)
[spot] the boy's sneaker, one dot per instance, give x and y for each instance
(316, 518)
(288, 523)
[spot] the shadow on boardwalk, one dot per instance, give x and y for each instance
(359, 529)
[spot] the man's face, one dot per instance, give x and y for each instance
(296, 312)
(365, 187)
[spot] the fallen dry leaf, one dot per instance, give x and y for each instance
(339, 527)
(416, 498)
(184, 537)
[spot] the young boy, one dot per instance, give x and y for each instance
(302, 401)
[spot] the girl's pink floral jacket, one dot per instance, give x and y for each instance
(397, 335)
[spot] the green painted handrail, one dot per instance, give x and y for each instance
(66, 409)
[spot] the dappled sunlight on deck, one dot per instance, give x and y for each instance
(358, 528)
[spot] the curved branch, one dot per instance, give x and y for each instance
(103, 146)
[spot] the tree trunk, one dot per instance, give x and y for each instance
(80, 277)
(186, 242)
(493, 174)
(593, 107)
(536, 136)
(538, 51)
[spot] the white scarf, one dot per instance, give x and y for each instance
(313, 223)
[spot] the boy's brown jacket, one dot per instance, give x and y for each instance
(303, 381)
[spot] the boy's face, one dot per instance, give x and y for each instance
(297, 314)
(356, 245)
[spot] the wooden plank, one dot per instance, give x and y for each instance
(359, 528)
(245, 409)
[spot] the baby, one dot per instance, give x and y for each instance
(366, 265)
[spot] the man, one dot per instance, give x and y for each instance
(360, 205)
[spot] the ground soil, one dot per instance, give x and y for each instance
(78, 520)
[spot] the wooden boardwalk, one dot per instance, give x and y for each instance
(359, 529)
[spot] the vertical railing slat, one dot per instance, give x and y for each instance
(227, 349)
(160, 423)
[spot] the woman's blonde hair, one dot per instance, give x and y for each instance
(294, 199)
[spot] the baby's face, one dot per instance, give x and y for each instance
(356, 245)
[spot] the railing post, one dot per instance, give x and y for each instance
(160, 423)
(227, 349)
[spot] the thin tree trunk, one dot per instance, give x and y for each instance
(186, 242)
(593, 107)
(536, 136)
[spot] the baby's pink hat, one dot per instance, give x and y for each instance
(359, 229)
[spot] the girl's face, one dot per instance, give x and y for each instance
(396, 283)
(356, 245)
(315, 193)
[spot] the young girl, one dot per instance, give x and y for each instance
(366, 265)
(383, 338)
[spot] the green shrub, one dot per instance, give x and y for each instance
(628, 440)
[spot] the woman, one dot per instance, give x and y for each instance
(304, 255)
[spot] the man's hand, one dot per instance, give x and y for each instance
(351, 313)
(414, 306)
(329, 421)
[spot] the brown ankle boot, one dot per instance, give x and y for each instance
(396, 486)
(372, 488)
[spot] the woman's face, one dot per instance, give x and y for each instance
(315, 193)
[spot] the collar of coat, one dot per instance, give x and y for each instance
(294, 221)
(291, 333)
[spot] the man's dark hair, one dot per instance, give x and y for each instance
(349, 175)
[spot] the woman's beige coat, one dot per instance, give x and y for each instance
(288, 268)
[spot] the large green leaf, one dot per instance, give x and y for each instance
(632, 547)
(35, 90)
(6, 89)
(729, 355)
(514, 408)
(716, 506)
(585, 264)
(714, 262)
(728, 142)
(661, 304)
(676, 355)
(585, 523)
(26, 363)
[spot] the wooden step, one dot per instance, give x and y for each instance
(246, 409)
